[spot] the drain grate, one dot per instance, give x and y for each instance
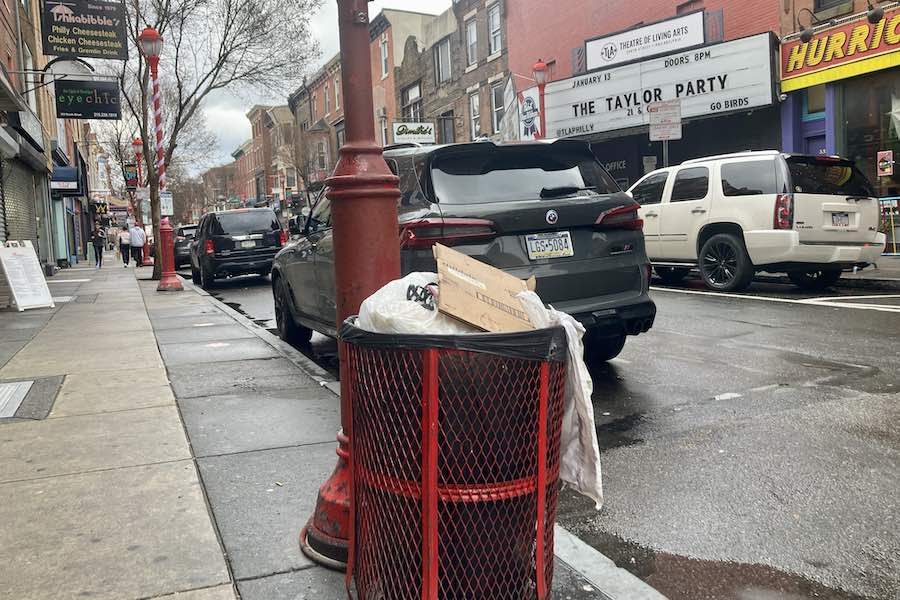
(11, 396)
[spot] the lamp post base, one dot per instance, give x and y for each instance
(326, 537)
(169, 283)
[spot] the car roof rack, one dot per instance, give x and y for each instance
(741, 154)
(402, 145)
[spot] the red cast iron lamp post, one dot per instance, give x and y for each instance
(137, 146)
(151, 46)
(539, 71)
(364, 195)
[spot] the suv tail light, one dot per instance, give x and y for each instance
(449, 232)
(620, 217)
(209, 247)
(784, 211)
(282, 237)
(179, 238)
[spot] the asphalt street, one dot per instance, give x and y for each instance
(749, 442)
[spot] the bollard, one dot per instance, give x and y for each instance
(169, 281)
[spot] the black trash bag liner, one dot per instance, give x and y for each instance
(537, 344)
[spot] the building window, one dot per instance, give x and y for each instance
(412, 103)
(384, 131)
(340, 137)
(337, 93)
(442, 61)
(814, 102)
(826, 4)
(494, 28)
(475, 115)
(291, 177)
(384, 56)
(497, 108)
(327, 100)
(691, 6)
(471, 42)
(321, 156)
(314, 106)
(447, 129)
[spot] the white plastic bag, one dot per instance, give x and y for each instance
(580, 460)
(389, 311)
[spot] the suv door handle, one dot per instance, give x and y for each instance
(698, 211)
(651, 214)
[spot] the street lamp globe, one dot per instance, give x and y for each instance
(150, 43)
(539, 71)
(138, 146)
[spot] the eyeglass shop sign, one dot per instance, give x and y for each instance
(663, 37)
(85, 28)
(719, 78)
(87, 99)
(419, 133)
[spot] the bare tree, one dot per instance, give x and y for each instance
(210, 45)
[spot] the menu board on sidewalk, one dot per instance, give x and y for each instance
(22, 281)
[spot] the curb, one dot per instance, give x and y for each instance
(614, 583)
(868, 283)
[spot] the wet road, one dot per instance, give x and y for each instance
(750, 445)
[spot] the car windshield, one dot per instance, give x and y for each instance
(811, 175)
(239, 223)
(187, 232)
(518, 173)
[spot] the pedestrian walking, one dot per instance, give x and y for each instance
(138, 239)
(125, 245)
(98, 239)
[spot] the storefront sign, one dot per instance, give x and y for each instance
(85, 28)
(131, 176)
(419, 133)
(846, 50)
(663, 37)
(885, 163)
(87, 99)
(665, 120)
(716, 79)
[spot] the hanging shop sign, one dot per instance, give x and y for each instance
(716, 79)
(87, 99)
(85, 28)
(843, 51)
(644, 42)
(885, 163)
(419, 133)
(131, 176)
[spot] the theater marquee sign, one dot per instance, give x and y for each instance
(846, 50)
(719, 78)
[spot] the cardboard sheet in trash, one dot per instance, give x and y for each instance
(480, 294)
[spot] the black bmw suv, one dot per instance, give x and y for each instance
(235, 242)
(544, 209)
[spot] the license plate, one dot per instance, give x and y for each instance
(840, 219)
(248, 244)
(549, 245)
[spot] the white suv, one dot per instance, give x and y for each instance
(735, 214)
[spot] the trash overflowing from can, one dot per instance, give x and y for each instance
(458, 439)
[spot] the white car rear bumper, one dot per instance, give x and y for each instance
(767, 247)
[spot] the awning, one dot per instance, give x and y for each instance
(64, 181)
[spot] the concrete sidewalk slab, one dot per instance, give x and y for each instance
(202, 334)
(258, 519)
(40, 362)
(116, 534)
(202, 320)
(220, 592)
(240, 423)
(238, 377)
(206, 352)
(77, 444)
(85, 393)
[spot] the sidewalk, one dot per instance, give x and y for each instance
(182, 454)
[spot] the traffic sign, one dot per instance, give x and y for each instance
(665, 120)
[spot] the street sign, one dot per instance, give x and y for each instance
(85, 28)
(885, 163)
(87, 99)
(165, 204)
(665, 120)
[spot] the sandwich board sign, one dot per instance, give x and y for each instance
(22, 281)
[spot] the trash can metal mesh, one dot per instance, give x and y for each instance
(455, 459)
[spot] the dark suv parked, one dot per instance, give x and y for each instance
(235, 242)
(183, 237)
(543, 209)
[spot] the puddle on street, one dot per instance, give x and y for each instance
(615, 434)
(683, 578)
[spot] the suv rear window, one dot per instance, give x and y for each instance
(187, 232)
(749, 178)
(511, 173)
(239, 223)
(811, 175)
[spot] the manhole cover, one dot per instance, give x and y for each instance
(11, 396)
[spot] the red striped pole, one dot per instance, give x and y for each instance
(157, 117)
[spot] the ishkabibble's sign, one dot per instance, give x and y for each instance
(420, 133)
(846, 50)
(720, 78)
(641, 43)
(84, 28)
(87, 99)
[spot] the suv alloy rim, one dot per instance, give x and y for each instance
(720, 264)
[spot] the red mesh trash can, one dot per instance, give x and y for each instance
(455, 463)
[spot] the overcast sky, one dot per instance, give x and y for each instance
(226, 113)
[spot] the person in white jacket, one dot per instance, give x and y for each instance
(138, 239)
(125, 244)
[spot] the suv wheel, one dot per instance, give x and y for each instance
(598, 349)
(672, 275)
(288, 330)
(195, 275)
(206, 279)
(724, 264)
(815, 280)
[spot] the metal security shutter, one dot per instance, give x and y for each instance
(18, 194)
(2, 205)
